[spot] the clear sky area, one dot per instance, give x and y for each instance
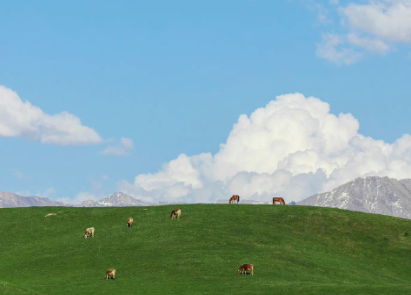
(194, 101)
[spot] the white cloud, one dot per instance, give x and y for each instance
(377, 46)
(293, 147)
(332, 49)
(373, 27)
(122, 149)
(22, 119)
(389, 20)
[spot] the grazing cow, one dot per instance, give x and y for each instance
(89, 232)
(130, 222)
(175, 214)
(280, 200)
(246, 267)
(111, 274)
(234, 198)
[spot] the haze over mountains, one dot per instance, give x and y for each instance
(379, 195)
(10, 200)
(117, 199)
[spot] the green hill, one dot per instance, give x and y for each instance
(294, 249)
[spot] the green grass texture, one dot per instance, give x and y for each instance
(294, 250)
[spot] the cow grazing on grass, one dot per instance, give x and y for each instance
(280, 200)
(175, 214)
(246, 267)
(130, 222)
(234, 198)
(111, 274)
(89, 232)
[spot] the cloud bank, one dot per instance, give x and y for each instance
(292, 148)
(22, 119)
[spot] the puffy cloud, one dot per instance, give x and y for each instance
(122, 149)
(293, 147)
(22, 119)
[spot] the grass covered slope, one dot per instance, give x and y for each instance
(294, 249)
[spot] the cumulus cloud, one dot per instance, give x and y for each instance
(293, 148)
(121, 149)
(22, 119)
(373, 27)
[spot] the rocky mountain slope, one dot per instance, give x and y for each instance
(117, 199)
(380, 195)
(10, 200)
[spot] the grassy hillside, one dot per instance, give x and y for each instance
(294, 249)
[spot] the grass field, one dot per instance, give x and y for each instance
(294, 249)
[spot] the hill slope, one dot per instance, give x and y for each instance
(294, 249)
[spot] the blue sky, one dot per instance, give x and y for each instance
(151, 80)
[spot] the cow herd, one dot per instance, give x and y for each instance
(111, 273)
(237, 198)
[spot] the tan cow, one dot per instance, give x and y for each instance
(243, 269)
(175, 214)
(130, 222)
(111, 274)
(89, 231)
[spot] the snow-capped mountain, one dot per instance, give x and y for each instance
(380, 195)
(117, 199)
(10, 200)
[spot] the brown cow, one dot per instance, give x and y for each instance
(175, 214)
(280, 200)
(130, 222)
(111, 274)
(245, 267)
(89, 231)
(234, 198)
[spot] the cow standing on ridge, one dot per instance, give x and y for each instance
(234, 198)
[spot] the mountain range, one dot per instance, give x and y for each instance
(10, 200)
(380, 195)
(117, 199)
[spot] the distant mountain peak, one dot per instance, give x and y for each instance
(118, 199)
(372, 194)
